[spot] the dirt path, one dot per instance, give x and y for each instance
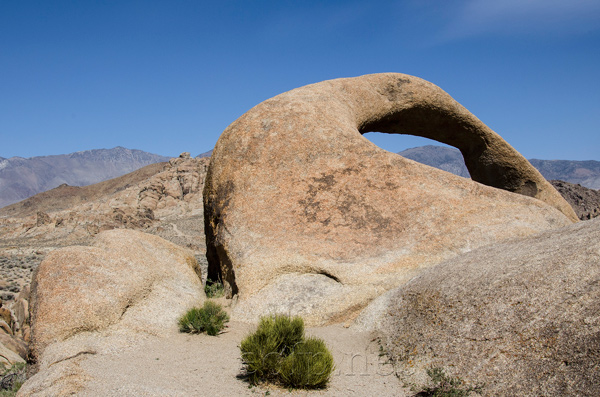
(201, 365)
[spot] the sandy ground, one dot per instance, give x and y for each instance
(202, 365)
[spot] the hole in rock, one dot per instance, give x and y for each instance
(423, 150)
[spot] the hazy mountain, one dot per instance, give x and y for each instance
(205, 154)
(444, 158)
(21, 178)
(65, 196)
(585, 173)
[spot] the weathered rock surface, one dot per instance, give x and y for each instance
(13, 348)
(127, 280)
(15, 344)
(295, 196)
(92, 300)
(585, 202)
(14, 331)
(8, 357)
(523, 317)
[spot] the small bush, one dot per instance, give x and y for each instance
(278, 352)
(308, 366)
(12, 379)
(274, 338)
(443, 385)
(210, 318)
(214, 289)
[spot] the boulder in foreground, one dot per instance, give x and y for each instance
(91, 300)
(521, 317)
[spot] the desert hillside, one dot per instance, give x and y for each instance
(162, 199)
(21, 178)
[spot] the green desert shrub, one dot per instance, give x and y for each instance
(442, 385)
(214, 289)
(278, 352)
(308, 366)
(210, 318)
(12, 379)
(274, 338)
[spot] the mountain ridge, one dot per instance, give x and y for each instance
(585, 173)
(21, 178)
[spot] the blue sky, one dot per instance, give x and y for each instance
(170, 76)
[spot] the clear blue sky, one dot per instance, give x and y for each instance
(169, 76)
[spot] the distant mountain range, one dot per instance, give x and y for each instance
(21, 178)
(584, 173)
(444, 158)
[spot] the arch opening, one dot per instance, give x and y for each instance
(422, 150)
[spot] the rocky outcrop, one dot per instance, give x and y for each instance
(89, 301)
(13, 349)
(300, 209)
(521, 317)
(42, 218)
(135, 202)
(76, 215)
(8, 356)
(182, 180)
(585, 202)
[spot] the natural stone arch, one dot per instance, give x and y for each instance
(296, 196)
(402, 104)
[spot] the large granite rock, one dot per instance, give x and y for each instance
(521, 317)
(90, 301)
(301, 210)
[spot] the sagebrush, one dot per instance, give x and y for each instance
(278, 352)
(214, 289)
(309, 365)
(210, 318)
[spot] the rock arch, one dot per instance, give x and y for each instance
(409, 105)
(294, 188)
